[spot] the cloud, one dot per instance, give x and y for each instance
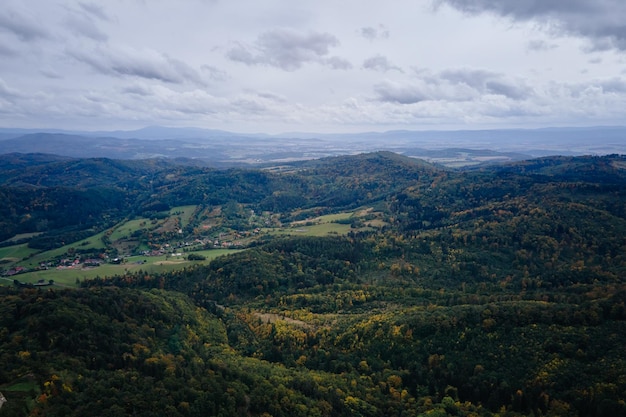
(83, 21)
(214, 73)
(457, 85)
(507, 89)
(287, 49)
(486, 82)
(602, 22)
(379, 63)
(7, 92)
(615, 85)
(337, 63)
(23, 27)
(49, 72)
(272, 97)
(397, 93)
(94, 10)
(137, 90)
(374, 33)
(145, 63)
(6, 50)
(83, 26)
(540, 45)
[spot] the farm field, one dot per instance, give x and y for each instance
(322, 229)
(72, 276)
(318, 226)
(15, 253)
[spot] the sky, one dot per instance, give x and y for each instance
(323, 66)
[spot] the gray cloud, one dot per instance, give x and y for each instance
(540, 45)
(603, 22)
(82, 26)
(249, 105)
(94, 10)
(49, 72)
(379, 63)
(285, 49)
(337, 63)
(25, 28)
(506, 89)
(137, 90)
(459, 85)
(615, 85)
(400, 93)
(7, 92)
(146, 64)
(83, 21)
(374, 33)
(486, 82)
(272, 97)
(6, 50)
(472, 78)
(214, 74)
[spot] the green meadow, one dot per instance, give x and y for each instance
(318, 226)
(322, 229)
(16, 252)
(21, 255)
(184, 212)
(153, 264)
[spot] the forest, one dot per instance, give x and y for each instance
(490, 291)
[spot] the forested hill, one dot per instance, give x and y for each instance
(498, 291)
(41, 195)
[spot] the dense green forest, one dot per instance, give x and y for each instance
(497, 291)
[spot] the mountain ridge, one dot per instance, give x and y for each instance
(222, 148)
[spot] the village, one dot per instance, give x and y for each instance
(181, 249)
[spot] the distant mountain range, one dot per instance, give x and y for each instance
(222, 148)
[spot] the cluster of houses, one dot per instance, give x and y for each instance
(75, 263)
(225, 240)
(62, 264)
(14, 271)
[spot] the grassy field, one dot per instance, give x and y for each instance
(23, 385)
(22, 236)
(318, 226)
(322, 229)
(16, 252)
(70, 276)
(329, 218)
(46, 256)
(185, 214)
(124, 230)
(22, 391)
(335, 217)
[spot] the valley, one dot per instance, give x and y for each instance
(181, 237)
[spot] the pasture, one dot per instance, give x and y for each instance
(15, 253)
(71, 276)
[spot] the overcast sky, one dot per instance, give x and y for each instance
(312, 66)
